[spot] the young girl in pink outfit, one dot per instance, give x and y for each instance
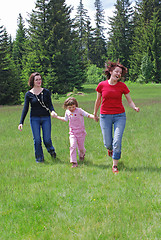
(77, 131)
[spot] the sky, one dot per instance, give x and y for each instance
(10, 9)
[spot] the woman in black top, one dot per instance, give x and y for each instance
(41, 106)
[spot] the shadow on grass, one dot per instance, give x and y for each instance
(122, 167)
(53, 161)
(143, 169)
(91, 164)
(88, 163)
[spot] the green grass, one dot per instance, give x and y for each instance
(53, 201)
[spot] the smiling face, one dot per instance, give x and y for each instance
(116, 74)
(37, 81)
(71, 108)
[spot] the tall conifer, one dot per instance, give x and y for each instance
(9, 89)
(146, 38)
(120, 32)
(19, 43)
(81, 24)
(99, 52)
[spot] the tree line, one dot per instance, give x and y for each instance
(64, 49)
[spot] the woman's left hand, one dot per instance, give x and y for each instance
(96, 118)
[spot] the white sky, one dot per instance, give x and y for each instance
(10, 9)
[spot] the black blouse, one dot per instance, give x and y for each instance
(37, 110)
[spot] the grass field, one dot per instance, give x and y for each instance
(51, 201)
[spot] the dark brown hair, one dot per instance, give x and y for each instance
(110, 66)
(70, 101)
(31, 79)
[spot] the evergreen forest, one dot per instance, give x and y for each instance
(69, 52)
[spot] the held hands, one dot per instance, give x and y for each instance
(20, 127)
(137, 109)
(96, 118)
(54, 114)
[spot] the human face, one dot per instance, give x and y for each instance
(116, 73)
(37, 81)
(71, 108)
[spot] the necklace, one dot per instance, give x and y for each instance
(42, 102)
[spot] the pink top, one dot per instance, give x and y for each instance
(76, 121)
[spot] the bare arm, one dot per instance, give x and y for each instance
(91, 116)
(61, 118)
(131, 103)
(97, 105)
(55, 115)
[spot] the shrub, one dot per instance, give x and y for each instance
(75, 91)
(94, 74)
(22, 98)
(56, 96)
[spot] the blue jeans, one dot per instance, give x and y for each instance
(36, 124)
(112, 140)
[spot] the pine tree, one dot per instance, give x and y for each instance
(38, 35)
(146, 39)
(90, 42)
(9, 89)
(50, 46)
(99, 52)
(19, 43)
(36, 57)
(138, 46)
(81, 23)
(63, 49)
(120, 33)
(147, 7)
(155, 46)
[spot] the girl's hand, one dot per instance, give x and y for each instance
(137, 109)
(54, 114)
(20, 127)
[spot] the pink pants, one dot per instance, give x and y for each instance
(76, 142)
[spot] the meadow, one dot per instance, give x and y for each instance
(52, 201)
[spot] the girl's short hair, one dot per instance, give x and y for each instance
(110, 66)
(70, 101)
(32, 77)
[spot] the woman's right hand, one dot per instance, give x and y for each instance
(20, 127)
(96, 118)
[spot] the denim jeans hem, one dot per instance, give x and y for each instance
(116, 156)
(39, 160)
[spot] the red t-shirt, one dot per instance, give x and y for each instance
(112, 97)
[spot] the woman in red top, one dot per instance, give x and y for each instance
(112, 112)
